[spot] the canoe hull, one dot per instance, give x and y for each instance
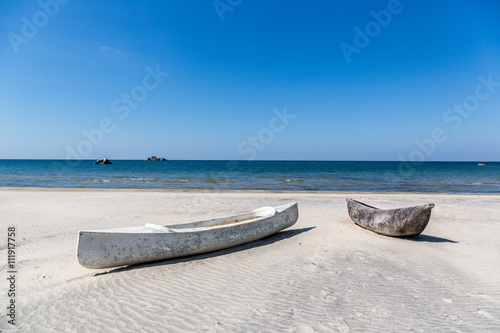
(401, 222)
(111, 249)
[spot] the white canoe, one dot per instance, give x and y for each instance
(127, 246)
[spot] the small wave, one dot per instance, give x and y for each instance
(140, 179)
(175, 181)
(293, 180)
(102, 180)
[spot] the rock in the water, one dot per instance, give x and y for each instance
(103, 161)
(154, 158)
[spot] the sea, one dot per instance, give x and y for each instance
(351, 176)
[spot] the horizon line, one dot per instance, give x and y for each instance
(243, 160)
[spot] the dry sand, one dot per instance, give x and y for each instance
(324, 274)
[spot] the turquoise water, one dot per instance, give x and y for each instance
(465, 177)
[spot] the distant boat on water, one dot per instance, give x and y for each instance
(154, 158)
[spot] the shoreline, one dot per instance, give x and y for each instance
(196, 190)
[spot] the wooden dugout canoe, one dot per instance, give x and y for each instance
(126, 246)
(401, 222)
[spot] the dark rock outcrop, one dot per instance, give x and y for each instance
(154, 158)
(103, 161)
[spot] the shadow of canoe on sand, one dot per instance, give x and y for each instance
(431, 239)
(258, 243)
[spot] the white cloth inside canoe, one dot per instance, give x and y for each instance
(161, 228)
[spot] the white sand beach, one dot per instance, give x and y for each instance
(324, 274)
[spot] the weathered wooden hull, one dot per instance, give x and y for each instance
(126, 246)
(401, 222)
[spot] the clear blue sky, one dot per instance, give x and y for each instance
(66, 69)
